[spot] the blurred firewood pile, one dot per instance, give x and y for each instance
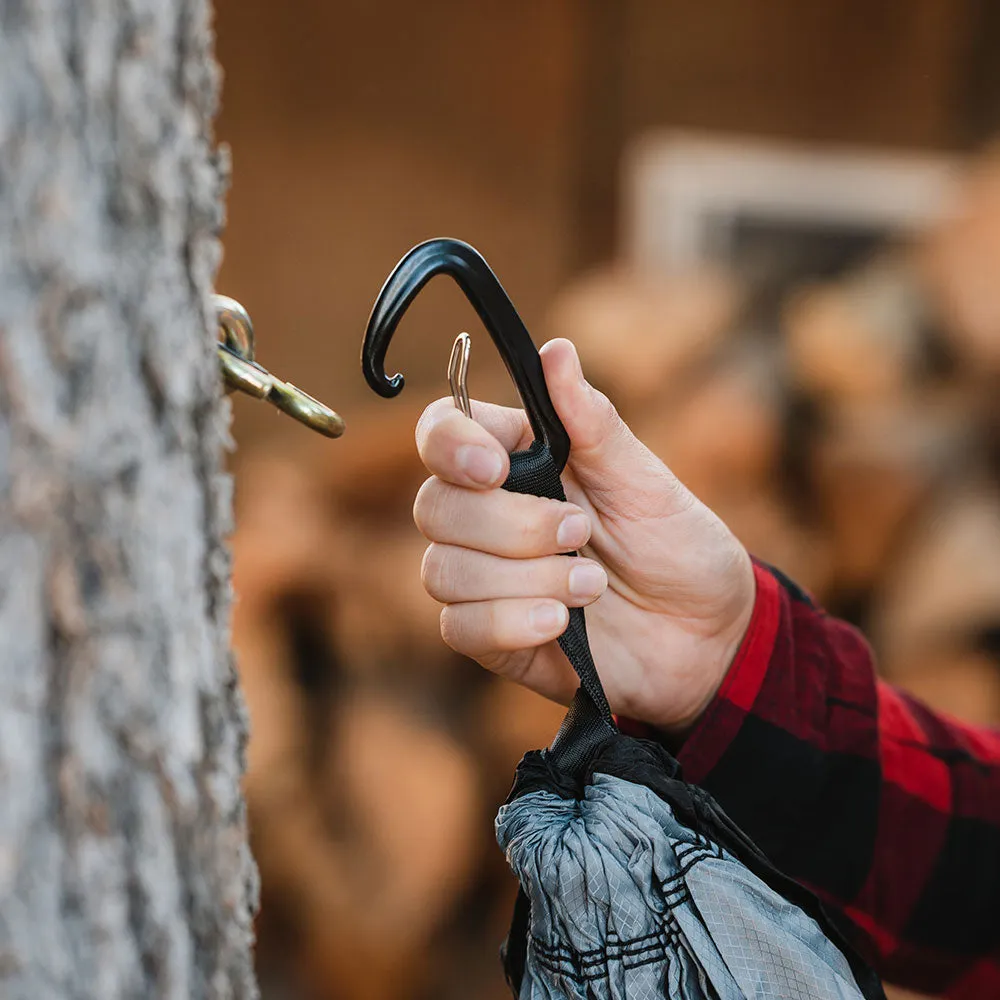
(854, 443)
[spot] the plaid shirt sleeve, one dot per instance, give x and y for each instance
(888, 811)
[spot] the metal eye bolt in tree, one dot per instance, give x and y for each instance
(124, 868)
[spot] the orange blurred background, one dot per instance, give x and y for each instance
(774, 232)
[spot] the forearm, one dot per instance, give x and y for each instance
(890, 812)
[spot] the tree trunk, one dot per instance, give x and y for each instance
(124, 869)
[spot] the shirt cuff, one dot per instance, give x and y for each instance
(721, 721)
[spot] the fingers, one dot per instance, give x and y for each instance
(483, 629)
(621, 476)
(452, 575)
(470, 453)
(495, 559)
(589, 417)
(497, 522)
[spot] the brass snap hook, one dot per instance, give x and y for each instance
(242, 372)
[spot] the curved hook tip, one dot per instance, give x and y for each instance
(387, 387)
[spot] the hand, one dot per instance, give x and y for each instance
(670, 589)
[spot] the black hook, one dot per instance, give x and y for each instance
(483, 289)
(534, 471)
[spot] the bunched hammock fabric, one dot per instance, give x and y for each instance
(636, 885)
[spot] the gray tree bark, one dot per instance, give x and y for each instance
(124, 869)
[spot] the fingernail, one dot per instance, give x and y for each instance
(587, 580)
(481, 465)
(573, 531)
(548, 618)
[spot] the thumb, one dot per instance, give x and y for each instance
(618, 472)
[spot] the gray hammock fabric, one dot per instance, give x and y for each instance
(628, 903)
(636, 885)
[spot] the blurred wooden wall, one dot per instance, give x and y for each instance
(360, 128)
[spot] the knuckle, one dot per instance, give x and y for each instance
(453, 630)
(427, 505)
(610, 417)
(428, 421)
(536, 530)
(528, 535)
(447, 624)
(492, 625)
(434, 573)
(607, 409)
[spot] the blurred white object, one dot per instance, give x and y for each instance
(686, 196)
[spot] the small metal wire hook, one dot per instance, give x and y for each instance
(458, 373)
(242, 372)
(505, 327)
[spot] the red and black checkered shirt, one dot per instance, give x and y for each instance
(888, 811)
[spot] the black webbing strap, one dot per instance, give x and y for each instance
(589, 719)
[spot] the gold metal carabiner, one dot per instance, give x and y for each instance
(242, 372)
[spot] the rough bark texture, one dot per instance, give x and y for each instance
(124, 870)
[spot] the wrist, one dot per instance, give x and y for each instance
(719, 658)
(708, 663)
(712, 664)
